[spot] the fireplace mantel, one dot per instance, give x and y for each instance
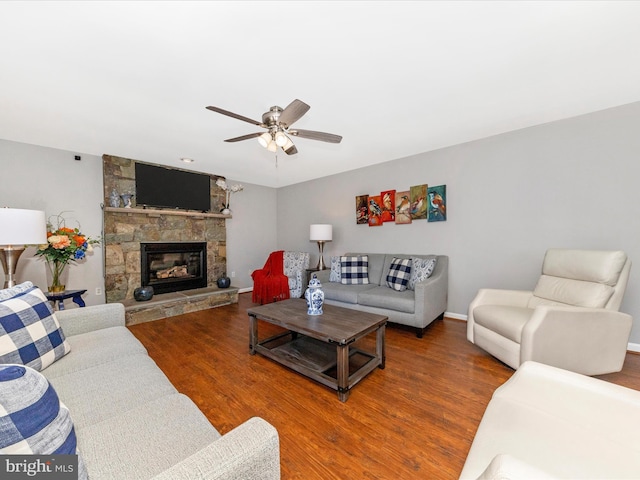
(158, 212)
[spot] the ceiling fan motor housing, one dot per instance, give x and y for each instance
(271, 117)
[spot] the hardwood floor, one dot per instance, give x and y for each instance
(414, 419)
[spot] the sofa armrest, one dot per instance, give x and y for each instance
(493, 296)
(591, 341)
(87, 319)
(250, 451)
(431, 295)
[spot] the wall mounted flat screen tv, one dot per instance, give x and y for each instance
(163, 187)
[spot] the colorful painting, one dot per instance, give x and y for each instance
(362, 209)
(375, 211)
(418, 198)
(388, 205)
(403, 207)
(437, 203)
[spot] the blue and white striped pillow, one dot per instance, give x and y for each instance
(29, 331)
(399, 274)
(354, 270)
(33, 421)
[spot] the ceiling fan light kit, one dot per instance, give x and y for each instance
(278, 122)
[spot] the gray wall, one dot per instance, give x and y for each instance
(40, 178)
(568, 184)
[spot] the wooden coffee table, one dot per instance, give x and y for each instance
(320, 347)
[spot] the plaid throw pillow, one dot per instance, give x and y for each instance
(421, 269)
(354, 270)
(33, 421)
(399, 274)
(29, 331)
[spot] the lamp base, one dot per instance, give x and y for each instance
(321, 265)
(9, 257)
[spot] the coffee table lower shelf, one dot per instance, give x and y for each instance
(318, 360)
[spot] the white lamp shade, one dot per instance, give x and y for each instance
(281, 139)
(22, 227)
(321, 232)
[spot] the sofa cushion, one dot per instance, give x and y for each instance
(334, 276)
(421, 269)
(354, 270)
(571, 292)
(399, 274)
(384, 297)
(107, 390)
(29, 331)
(33, 421)
(344, 293)
(95, 348)
(145, 441)
(506, 320)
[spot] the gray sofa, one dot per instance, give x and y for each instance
(131, 422)
(414, 308)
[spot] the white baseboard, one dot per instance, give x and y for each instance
(634, 347)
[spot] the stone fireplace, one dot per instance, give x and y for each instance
(173, 266)
(126, 229)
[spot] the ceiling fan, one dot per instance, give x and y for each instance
(278, 123)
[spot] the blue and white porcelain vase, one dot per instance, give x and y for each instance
(314, 296)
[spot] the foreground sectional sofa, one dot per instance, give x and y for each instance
(131, 422)
(415, 308)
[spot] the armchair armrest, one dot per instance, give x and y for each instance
(590, 341)
(250, 451)
(81, 320)
(493, 296)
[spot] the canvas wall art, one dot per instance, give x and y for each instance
(375, 211)
(437, 203)
(418, 198)
(362, 209)
(403, 207)
(388, 205)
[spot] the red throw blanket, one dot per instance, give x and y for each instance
(270, 284)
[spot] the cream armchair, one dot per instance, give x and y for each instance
(571, 319)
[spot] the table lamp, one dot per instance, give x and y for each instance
(321, 233)
(19, 228)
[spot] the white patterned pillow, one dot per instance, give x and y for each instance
(354, 270)
(399, 274)
(15, 290)
(421, 269)
(29, 331)
(334, 276)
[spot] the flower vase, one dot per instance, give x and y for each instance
(57, 276)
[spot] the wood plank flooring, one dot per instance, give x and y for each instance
(414, 419)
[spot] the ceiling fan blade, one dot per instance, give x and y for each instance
(322, 136)
(235, 115)
(244, 137)
(292, 150)
(293, 112)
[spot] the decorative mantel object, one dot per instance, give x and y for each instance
(126, 199)
(321, 233)
(64, 245)
(114, 199)
(142, 294)
(18, 228)
(314, 296)
(224, 281)
(229, 189)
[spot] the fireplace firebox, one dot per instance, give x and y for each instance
(175, 266)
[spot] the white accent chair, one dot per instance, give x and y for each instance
(295, 264)
(545, 422)
(571, 319)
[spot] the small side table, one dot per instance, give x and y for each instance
(60, 297)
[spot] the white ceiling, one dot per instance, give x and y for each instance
(393, 78)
